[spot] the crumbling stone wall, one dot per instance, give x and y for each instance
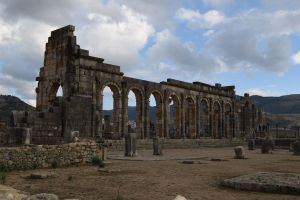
(43, 155)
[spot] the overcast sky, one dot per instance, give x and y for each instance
(254, 45)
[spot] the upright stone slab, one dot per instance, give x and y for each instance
(158, 145)
(296, 147)
(104, 153)
(267, 145)
(130, 145)
(251, 144)
(239, 152)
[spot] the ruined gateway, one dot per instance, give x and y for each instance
(200, 110)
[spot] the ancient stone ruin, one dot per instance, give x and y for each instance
(199, 109)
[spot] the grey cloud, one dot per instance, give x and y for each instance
(255, 40)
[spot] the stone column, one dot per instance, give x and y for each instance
(222, 113)
(166, 115)
(146, 117)
(183, 111)
(124, 110)
(159, 118)
(210, 120)
(198, 117)
(117, 116)
(100, 115)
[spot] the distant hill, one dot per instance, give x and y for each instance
(9, 103)
(283, 110)
(289, 104)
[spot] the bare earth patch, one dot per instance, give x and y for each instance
(163, 179)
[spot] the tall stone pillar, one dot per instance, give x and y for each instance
(222, 113)
(183, 112)
(166, 115)
(100, 115)
(124, 110)
(198, 117)
(146, 117)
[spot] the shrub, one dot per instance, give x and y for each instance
(54, 164)
(35, 165)
(3, 178)
(4, 168)
(96, 160)
(101, 164)
(119, 197)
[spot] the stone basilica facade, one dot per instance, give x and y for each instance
(198, 110)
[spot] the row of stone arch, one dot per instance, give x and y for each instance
(190, 116)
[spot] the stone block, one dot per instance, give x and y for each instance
(239, 152)
(158, 145)
(251, 144)
(104, 153)
(296, 148)
(267, 145)
(130, 144)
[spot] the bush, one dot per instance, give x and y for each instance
(3, 178)
(35, 165)
(101, 164)
(54, 164)
(4, 168)
(96, 160)
(119, 197)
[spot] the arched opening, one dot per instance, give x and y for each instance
(190, 118)
(174, 121)
(135, 112)
(155, 115)
(228, 121)
(217, 120)
(110, 110)
(55, 92)
(204, 119)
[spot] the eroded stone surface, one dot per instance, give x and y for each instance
(274, 182)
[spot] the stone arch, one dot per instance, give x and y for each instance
(228, 120)
(217, 124)
(158, 126)
(204, 118)
(139, 118)
(172, 116)
(190, 117)
(55, 86)
(111, 128)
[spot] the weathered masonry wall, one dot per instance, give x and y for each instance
(198, 109)
(43, 155)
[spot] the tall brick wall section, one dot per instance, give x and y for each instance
(43, 155)
(78, 117)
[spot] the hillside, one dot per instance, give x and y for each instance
(9, 103)
(289, 104)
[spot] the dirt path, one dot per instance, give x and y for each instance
(162, 179)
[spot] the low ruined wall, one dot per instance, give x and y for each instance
(119, 145)
(283, 143)
(29, 157)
